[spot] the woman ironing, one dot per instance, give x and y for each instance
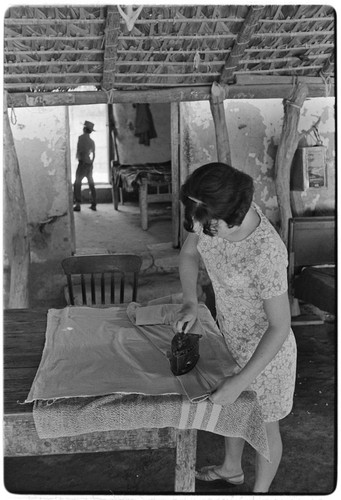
(247, 264)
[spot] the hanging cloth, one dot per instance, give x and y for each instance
(144, 125)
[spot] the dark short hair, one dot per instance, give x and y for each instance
(224, 193)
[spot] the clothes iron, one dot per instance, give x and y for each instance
(184, 352)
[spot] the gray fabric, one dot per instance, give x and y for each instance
(93, 352)
(102, 353)
(77, 416)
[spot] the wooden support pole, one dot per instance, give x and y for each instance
(143, 192)
(287, 146)
(111, 44)
(186, 451)
(175, 145)
(15, 221)
(218, 93)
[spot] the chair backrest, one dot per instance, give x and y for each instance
(102, 279)
(311, 240)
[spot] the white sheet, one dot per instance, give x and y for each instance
(93, 352)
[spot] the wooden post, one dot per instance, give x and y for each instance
(287, 146)
(186, 451)
(143, 191)
(175, 117)
(218, 94)
(184, 153)
(112, 29)
(15, 221)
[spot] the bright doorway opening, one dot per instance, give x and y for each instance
(97, 114)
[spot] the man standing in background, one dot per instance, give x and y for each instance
(85, 155)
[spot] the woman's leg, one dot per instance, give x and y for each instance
(266, 471)
(232, 464)
(231, 468)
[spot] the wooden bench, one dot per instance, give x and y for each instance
(311, 271)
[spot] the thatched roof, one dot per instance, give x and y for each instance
(166, 47)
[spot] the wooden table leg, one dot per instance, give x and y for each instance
(186, 452)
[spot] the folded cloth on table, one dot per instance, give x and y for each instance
(82, 345)
(75, 416)
(94, 352)
(158, 314)
(174, 298)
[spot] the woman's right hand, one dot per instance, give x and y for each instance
(187, 314)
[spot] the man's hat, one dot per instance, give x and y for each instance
(89, 125)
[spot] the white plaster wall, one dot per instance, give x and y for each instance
(254, 128)
(41, 142)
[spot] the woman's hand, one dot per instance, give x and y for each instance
(187, 314)
(227, 391)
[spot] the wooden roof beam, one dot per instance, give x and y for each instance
(112, 29)
(276, 88)
(240, 44)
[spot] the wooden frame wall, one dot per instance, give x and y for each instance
(256, 88)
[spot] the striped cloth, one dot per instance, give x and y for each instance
(75, 416)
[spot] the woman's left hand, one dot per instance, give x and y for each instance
(227, 391)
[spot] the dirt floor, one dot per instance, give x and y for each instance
(309, 435)
(120, 231)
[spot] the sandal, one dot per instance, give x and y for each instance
(209, 473)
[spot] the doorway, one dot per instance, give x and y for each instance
(107, 229)
(97, 114)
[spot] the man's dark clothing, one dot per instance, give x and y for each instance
(85, 155)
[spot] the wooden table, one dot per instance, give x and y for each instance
(24, 336)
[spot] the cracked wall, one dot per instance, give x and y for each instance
(254, 128)
(41, 143)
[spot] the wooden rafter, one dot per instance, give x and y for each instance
(110, 51)
(169, 47)
(240, 44)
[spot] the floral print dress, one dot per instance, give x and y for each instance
(243, 274)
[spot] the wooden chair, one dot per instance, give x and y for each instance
(101, 279)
